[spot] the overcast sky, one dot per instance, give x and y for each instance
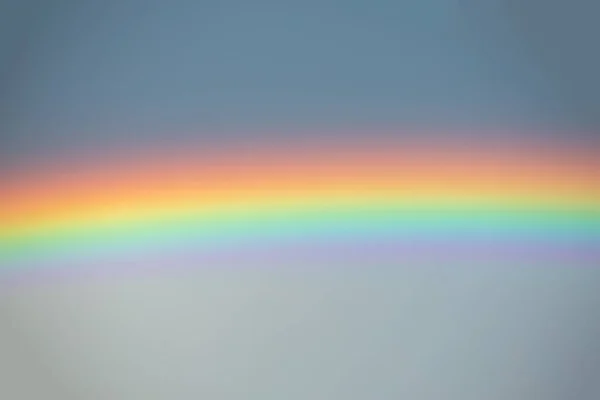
(95, 74)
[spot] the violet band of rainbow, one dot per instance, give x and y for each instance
(403, 195)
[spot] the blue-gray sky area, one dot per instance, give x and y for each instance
(88, 73)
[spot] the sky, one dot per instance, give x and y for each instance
(95, 73)
(96, 76)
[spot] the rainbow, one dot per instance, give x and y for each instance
(240, 195)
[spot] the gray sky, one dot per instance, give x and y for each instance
(96, 74)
